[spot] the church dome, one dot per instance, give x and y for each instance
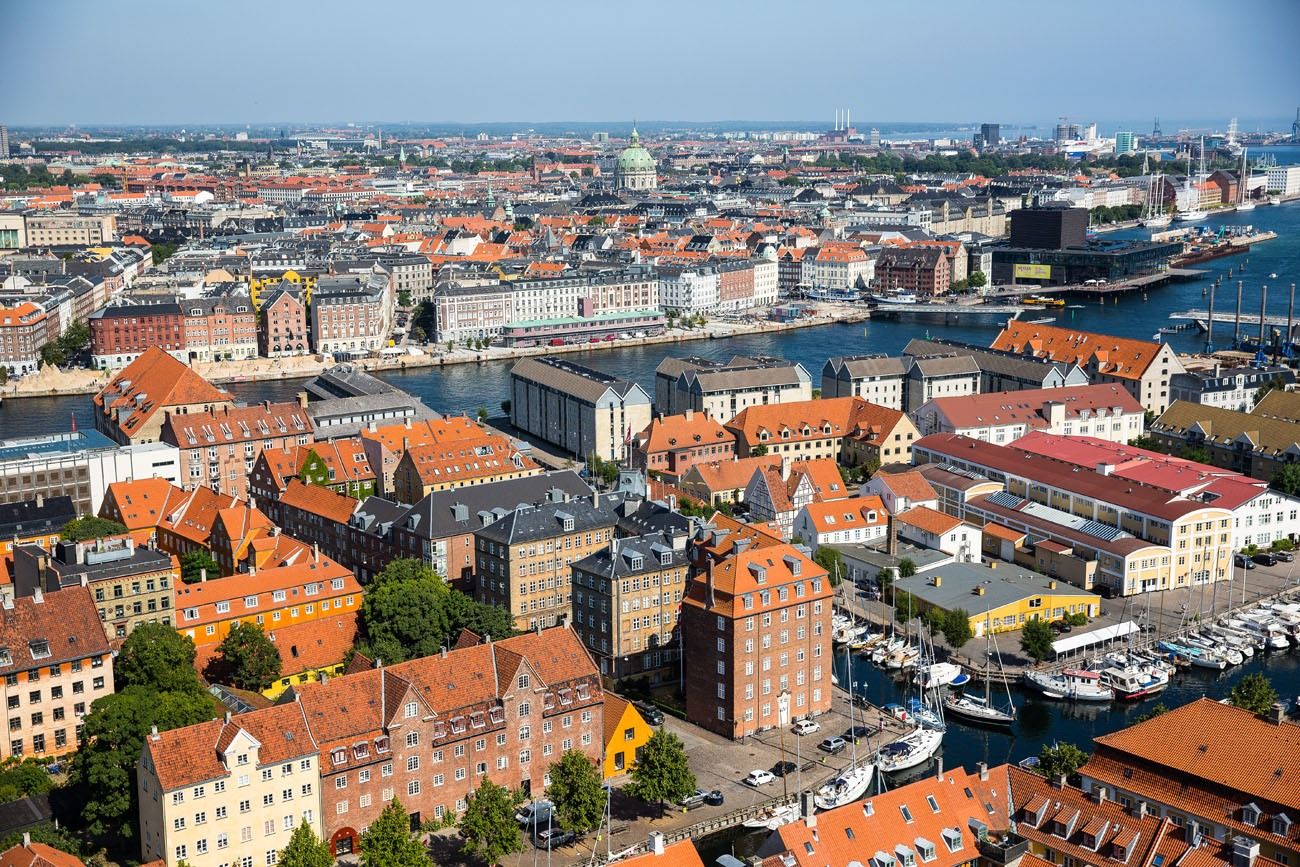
(634, 157)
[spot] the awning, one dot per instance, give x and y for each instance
(1072, 643)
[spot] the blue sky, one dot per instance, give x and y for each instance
(236, 61)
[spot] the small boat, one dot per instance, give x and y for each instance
(976, 709)
(849, 634)
(885, 648)
(1071, 683)
(1246, 206)
(937, 675)
(924, 715)
(774, 817)
(1275, 200)
(904, 657)
(1133, 680)
(897, 711)
(1191, 215)
(910, 750)
(844, 788)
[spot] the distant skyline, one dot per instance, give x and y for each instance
(1196, 63)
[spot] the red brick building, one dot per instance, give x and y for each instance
(735, 285)
(922, 270)
(220, 328)
(756, 626)
(427, 731)
(24, 329)
(283, 330)
(672, 444)
(120, 334)
(218, 448)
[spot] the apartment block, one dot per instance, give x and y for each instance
(1104, 411)
(476, 457)
(626, 599)
(56, 661)
(131, 584)
(70, 230)
(756, 626)
(847, 429)
(218, 448)
(672, 444)
(25, 328)
(132, 407)
(524, 557)
(723, 389)
(1145, 369)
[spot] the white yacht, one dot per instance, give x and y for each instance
(912, 749)
(846, 787)
(1070, 683)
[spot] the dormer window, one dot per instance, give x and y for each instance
(496, 715)
(638, 562)
(39, 647)
(361, 751)
(5, 657)
(339, 757)
(548, 701)
(566, 696)
(665, 558)
(457, 725)
(584, 692)
(925, 849)
(952, 839)
(1282, 824)
(1251, 814)
(381, 744)
(477, 719)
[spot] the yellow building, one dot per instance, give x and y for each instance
(998, 597)
(310, 649)
(256, 285)
(625, 735)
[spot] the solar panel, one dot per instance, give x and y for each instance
(1006, 500)
(1100, 530)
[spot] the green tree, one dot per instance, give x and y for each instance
(576, 792)
(977, 279)
(56, 837)
(465, 612)
(758, 451)
(1199, 454)
(832, 561)
(113, 734)
(1287, 480)
(1277, 382)
(482, 413)
(157, 657)
(605, 471)
(162, 252)
(906, 568)
(18, 779)
(1148, 442)
(1036, 639)
(198, 563)
(1254, 693)
(1060, 759)
(388, 841)
(250, 658)
(955, 627)
(305, 849)
(662, 773)
(90, 527)
(488, 825)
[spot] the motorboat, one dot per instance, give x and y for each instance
(1074, 684)
(903, 657)
(774, 817)
(1238, 643)
(849, 634)
(1134, 680)
(1229, 654)
(912, 749)
(939, 674)
(977, 709)
(885, 648)
(844, 788)
(1273, 635)
(1191, 215)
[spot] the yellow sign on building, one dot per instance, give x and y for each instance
(1032, 272)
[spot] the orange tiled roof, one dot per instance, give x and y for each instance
(1121, 357)
(669, 432)
(831, 516)
(931, 521)
(909, 484)
(152, 382)
(816, 419)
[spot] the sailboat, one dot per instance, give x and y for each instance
(980, 709)
(1155, 216)
(1243, 177)
(1193, 212)
(852, 782)
(912, 749)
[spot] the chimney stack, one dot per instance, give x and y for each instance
(1276, 713)
(656, 843)
(983, 771)
(938, 766)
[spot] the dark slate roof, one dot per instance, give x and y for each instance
(41, 515)
(547, 520)
(464, 510)
(635, 555)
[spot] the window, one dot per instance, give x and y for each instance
(412, 709)
(412, 739)
(413, 787)
(412, 763)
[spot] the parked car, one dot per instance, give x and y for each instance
(714, 798)
(806, 727)
(553, 838)
(1243, 561)
(852, 733)
(534, 813)
(1264, 558)
(1284, 556)
(694, 799)
(833, 745)
(1061, 626)
(651, 714)
(784, 768)
(759, 778)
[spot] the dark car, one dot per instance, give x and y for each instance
(852, 733)
(714, 798)
(1265, 559)
(651, 714)
(1061, 626)
(781, 769)
(553, 838)
(1284, 556)
(860, 700)
(1243, 561)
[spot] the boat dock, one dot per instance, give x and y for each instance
(948, 314)
(1247, 321)
(1132, 284)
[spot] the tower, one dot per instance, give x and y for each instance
(636, 168)
(1155, 127)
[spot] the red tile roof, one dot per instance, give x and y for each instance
(1116, 356)
(152, 382)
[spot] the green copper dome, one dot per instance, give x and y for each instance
(634, 157)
